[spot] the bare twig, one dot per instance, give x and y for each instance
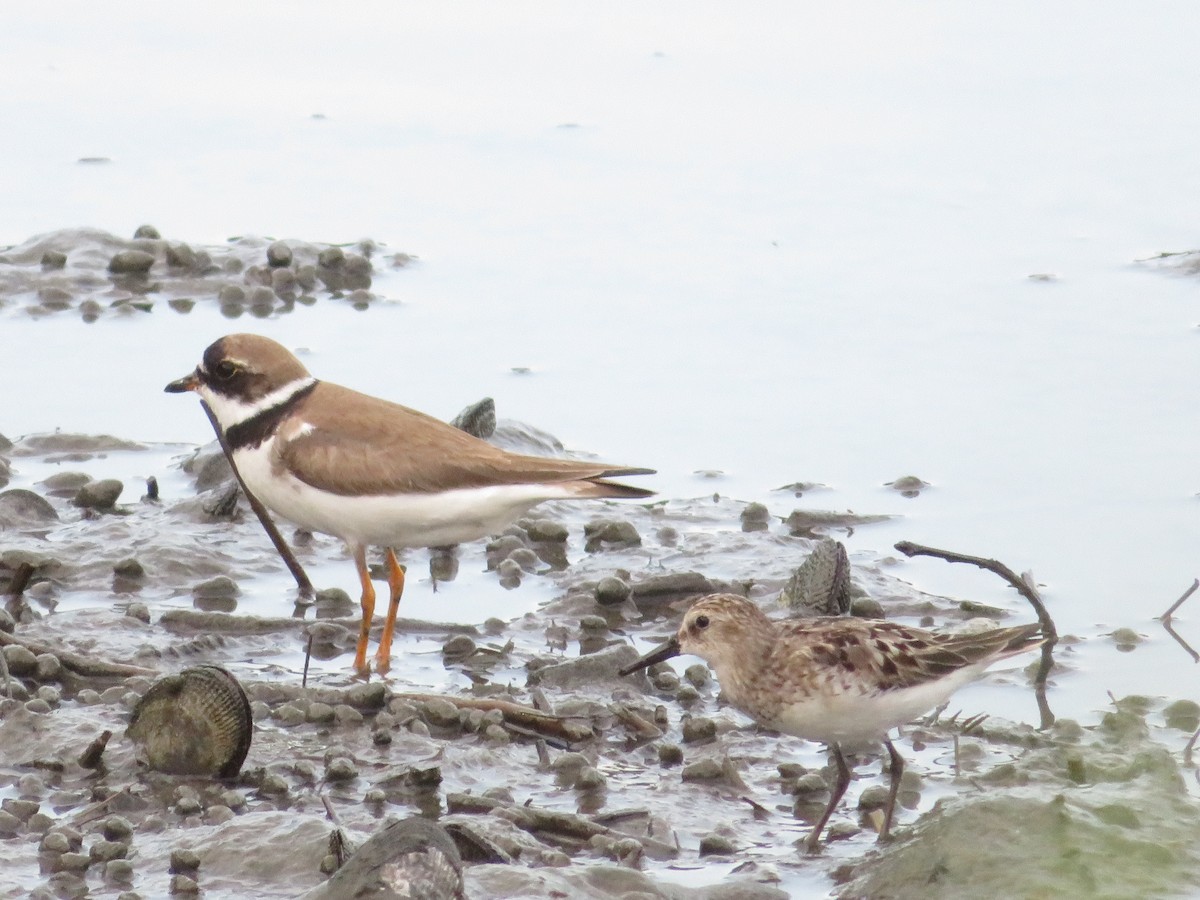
(1166, 624)
(90, 758)
(539, 723)
(1166, 617)
(1191, 745)
(1027, 590)
(289, 558)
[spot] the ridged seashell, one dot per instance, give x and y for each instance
(195, 722)
(413, 857)
(821, 586)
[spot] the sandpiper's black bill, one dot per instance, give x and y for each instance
(179, 385)
(657, 655)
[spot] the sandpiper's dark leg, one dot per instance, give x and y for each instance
(368, 607)
(383, 656)
(896, 770)
(839, 789)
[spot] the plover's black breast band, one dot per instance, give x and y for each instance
(251, 433)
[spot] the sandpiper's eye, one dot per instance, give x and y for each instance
(701, 621)
(226, 370)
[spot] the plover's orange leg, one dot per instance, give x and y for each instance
(896, 770)
(368, 607)
(383, 656)
(843, 781)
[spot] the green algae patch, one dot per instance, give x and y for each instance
(1107, 816)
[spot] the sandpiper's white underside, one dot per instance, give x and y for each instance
(853, 716)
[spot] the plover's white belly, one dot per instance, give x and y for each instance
(390, 520)
(857, 714)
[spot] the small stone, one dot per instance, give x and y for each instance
(183, 884)
(273, 784)
(590, 779)
(131, 262)
(873, 797)
(612, 591)
(104, 851)
(810, 783)
(100, 494)
(496, 734)
(54, 259)
(525, 558)
(9, 824)
(231, 295)
(460, 646)
(670, 754)
(233, 799)
(217, 815)
(49, 668)
(367, 696)
(707, 769)
(866, 608)
(279, 254)
(39, 823)
(319, 712)
(73, 861)
(697, 730)
(22, 809)
(139, 611)
(188, 806)
(611, 534)
(755, 517)
(716, 845)
(55, 842)
(341, 769)
(87, 697)
(547, 530)
(147, 232)
(7, 623)
(180, 256)
(346, 715)
(183, 860)
(129, 568)
(221, 587)
(21, 661)
(119, 871)
(440, 712)
(666, 681)
(594, 624)
(697, 675)
(38, 706)
(21, 508)
(117, 828)
(1183, 715)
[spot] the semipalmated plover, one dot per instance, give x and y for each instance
(836, 680)
(369, 471)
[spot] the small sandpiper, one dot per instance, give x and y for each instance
(369, 471)
(836, 680)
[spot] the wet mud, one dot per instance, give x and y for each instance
(555, 775)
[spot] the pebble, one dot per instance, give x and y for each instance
(119, 871)
(612, 591)
(147, 232)
(55, 842)
(547, 530)
(687, 695)
(116, 828)
(180, 256)
(289, 714)
(87, 697)
(714, 844)
(7, 624)
(183, 884)
(755, 517)
(866, 608)
(21, 661)
(279, 254)
(496, 734)
(810, 783)
(347, 715)
(510, 573)
(51, 695)
(460, 646)
(670, 754)
(38, 706)
(706, 769)
(65, 886)
(525, 558)
(440, 712)
(218, 815)
(39, 823)
(188, 806)
(22, 809)
(273, 784)
(319, 712)
(221, 587)
(611, 534)
(129, 568)
(19, 507)
(367, 696)
(54, 259)
(49, 668)
(139, 611)
(233, 799)
(590, 779)
(666, 681)
(31, 787)
(105, 851)
(73, 861)
(113, 694)
(9, 824)
(697, 730)
(131, 262)
(697, 674)
(341, 769)
(183, 860)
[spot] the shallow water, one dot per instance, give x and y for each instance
(787, 245)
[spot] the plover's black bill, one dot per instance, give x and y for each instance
(659, 654)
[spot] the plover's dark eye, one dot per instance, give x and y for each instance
(701, 621)
(226, 370)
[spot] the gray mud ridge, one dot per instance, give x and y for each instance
(614, 786)
(93, 273)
